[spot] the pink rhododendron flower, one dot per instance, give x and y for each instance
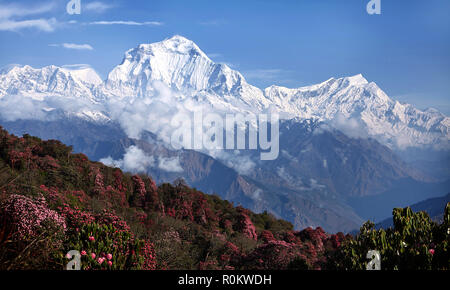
(93, 255)
(83, 253)
(109, 256)
(91, 238)
(68, 256)
(109, 263)
(100, 260)
(431, 251)
(28, 215)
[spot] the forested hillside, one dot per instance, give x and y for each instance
(53, 201)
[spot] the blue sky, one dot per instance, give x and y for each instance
(405, 50)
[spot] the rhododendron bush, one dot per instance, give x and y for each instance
(415, 243)
(105, 247)
(30, 216)
(53, 202)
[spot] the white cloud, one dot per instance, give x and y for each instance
(77, 66)
(74, 46)
(34, 107)
(10, 12)
(352, 127)
(256, 195)
(171, 164)
(97, 6)
(133, 23)
(134, 160)
(46, 25)
(243, 164)
(13, 108)
(109, 161)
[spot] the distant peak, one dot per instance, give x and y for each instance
(178, 38)
(7, 68)
(171, 41)
(357, 80)
(182, 44)
(174, 44)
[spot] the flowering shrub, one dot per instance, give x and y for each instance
(415, 242)
(103, 247)
(75, 218)
(208, 265)
(246, 226)
(48, 163)
(266, 236)
(148, 253)
(139, 191)
(30, 216)
(272, 255)
(109, 217)
(230, 256)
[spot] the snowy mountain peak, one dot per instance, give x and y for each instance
(5, 69)
(357, 80)
(175, 45)
(182, 45)
(83, 73)
(181, 65)
(177, 62)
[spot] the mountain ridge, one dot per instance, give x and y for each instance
(181, 66)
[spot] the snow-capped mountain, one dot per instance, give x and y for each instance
(68, 81)
(352, 104)
(355, 106)
(182, 66)
(68, 91)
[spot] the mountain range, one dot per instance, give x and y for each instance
(342, 142)
(179, 64)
